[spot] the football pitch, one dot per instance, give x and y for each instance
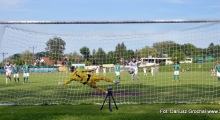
(43, 89)
(125, 112)
(196, 90)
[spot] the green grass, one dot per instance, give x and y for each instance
(93, 112)
(43, 89)
(206, 66)
(76, 101)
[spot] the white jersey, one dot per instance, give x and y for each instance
(97, 70)
(152, 69)
(104, 70)
(8, 68)
(213, 70)
(145, 70)
(134, 64)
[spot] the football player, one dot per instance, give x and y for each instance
(81, 76)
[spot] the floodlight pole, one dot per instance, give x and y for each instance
(3, 55)
(33, 52)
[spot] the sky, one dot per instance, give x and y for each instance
(105, 10)
(84, 10)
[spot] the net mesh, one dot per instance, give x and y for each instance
(156, 45)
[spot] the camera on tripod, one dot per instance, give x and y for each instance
(109, 96)
(109, 88)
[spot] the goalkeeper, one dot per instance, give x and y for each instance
(81, 76)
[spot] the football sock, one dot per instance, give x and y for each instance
(27, 80)
(18, 79)
(132, 78)
(119, 78)
(174, 77)
(138, 78)
(6, 81)
(15, 79)
(178, 77)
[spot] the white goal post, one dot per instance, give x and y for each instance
(101, 45)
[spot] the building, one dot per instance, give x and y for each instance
(49, 62)
(157, 61)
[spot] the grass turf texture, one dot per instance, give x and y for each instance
(196, 86)
(92, 112)
(43, 89)
(192, 67)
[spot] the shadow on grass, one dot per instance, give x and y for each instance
(93, 112)
(136, 93)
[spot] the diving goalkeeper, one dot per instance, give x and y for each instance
(83, 76)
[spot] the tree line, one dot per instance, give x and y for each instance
(55, 48)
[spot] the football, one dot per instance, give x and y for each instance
(131, 70)
(59, 83)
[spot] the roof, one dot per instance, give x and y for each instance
(49, 62)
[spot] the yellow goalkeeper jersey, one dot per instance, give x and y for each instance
(80, 76)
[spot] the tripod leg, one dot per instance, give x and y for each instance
(114, 102)
(110, 106)
(104, 102)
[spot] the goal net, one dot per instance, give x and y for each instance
(51, 48)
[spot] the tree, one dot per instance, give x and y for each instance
(166, 47)
(74, 58)
(178, 56)
(128, 54)
(93, 52)
(12, 58)
(211, 46)
(76, 55)
(42, 54)
(27, 56)
(110, 58)
(42, 64)
(88, 63)
(137, 54)
(210, 50)
(120, 50)
(189, 49)
(55, 47)
(100, 56)
(85, 52)
(148, 51)
(19, 61)
(16, 56)
(93, 56)
(216, 52)
(204, 51)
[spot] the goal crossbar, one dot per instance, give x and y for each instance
(108, 22)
